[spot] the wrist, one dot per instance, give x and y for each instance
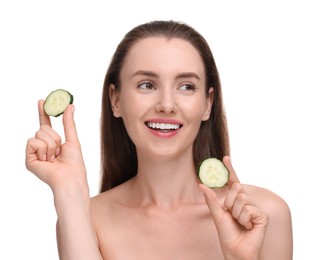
(244, 257)
(71, 196)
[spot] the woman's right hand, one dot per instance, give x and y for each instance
(57, 164)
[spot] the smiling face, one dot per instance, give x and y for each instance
(162, 97)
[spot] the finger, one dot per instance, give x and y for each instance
(214, 206)
(241, 201)
(246, 216)
(252, 216)
(234, 192)
(69, 125)
(43, 117)
(232, 177)
(52, 141)
(49, 131)
(35, 160)
(35, 150)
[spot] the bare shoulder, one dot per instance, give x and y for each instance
(279, 237)
(274, 205)
(111, 198)
(268, 200)
(109, 206)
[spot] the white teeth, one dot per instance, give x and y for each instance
(162, 126)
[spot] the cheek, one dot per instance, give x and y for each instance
(130, 105)
(129, 121)
(195, 110)
(132, 110)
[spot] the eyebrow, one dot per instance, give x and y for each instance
(154, 75)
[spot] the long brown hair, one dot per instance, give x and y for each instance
(118, 153)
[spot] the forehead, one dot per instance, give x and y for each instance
(163, 56)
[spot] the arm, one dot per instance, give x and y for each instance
(61, 166)
(278, 243)
(75, 235)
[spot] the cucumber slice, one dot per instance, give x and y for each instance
(57, 101)
(213, 173)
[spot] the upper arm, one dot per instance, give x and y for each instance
(278, 243)
(59, 242)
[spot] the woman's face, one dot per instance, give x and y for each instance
(162, 99)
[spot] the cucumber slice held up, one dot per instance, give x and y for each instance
(213, 173)
(57, 101)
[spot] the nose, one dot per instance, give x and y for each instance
(166, 102)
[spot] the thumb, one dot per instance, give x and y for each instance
(69, 125)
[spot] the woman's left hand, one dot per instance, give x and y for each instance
(240, 223)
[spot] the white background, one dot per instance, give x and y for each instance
(273, 60)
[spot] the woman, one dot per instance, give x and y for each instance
(162, 114)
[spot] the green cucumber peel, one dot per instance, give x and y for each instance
(57, 101)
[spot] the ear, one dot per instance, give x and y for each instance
(114, 99)
(209, 101)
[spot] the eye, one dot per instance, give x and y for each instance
(187, 87)
(146, 86)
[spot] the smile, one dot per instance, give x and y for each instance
(163, 127)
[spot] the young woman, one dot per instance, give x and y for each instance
(162, 114)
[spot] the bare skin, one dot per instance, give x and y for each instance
(141, 228)
(61, 166)
(134, 221)
(163, 212)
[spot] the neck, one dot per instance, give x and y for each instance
(166, 183)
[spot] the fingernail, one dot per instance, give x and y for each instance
(44, 157)
(73, 109)
(58, 151)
